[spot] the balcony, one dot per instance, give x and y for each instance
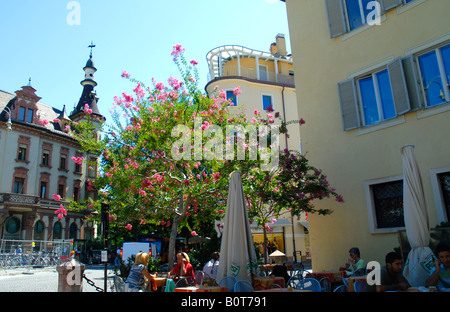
(22, 200)
(238, 61)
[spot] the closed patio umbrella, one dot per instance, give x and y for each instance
(237, 252)
(416, 219)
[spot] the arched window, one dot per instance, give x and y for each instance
(73, 229)
(12, 225)
(39, 228)
(57, 230)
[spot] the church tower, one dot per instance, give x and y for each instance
(88, 96)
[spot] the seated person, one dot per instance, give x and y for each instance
(138, 274)
(440, 274)
(391, 274)
(355, 265)
(183, 268)
(212, 265)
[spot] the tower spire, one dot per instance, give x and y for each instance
(92, 45)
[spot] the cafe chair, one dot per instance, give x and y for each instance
(360, 286)
(199, 277)
(119, 284)
(228, 282)
(325, 284)
(294, 281)
(297, 269)
(243, 286)
(309, 284)
(341, 288)
(275, 286)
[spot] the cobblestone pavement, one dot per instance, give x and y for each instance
(46, 279)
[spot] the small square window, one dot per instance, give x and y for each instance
(267, 102)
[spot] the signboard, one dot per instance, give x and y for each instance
(104, 256)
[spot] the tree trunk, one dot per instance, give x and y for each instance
(265, 245)
(173, 234)
(173, 240)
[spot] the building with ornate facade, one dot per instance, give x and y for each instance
(36, 151)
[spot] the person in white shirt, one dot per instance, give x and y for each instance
(212, 265)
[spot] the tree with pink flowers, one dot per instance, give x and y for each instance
(155, 166)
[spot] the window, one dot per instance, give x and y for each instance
(388, 204)
(62, 162)
(39, 228)
(12, 225)
(46, 158)
(22, 155)
(30, 115)
(357, 11)
(263, 73)
(19, 184)
(43, 192)
(61, 190)
(73, 230)
(232, 97)
(22, 111)
(435, 73)
(76, 193)
(57, 230)
(444, 179)
(384, 198)
(267, 102)
(374, 97)
(347, 15)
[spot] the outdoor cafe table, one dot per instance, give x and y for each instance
(160, 281)
(266, 281)
(201, 289)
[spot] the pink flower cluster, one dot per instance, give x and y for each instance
(177, 50)
(61, 212)
(87, 110)
(78, 160)
(43, 122)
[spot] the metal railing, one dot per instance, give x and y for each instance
(25, 253)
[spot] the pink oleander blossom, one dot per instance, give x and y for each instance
(177, 50)
(129, 227)
(56, 197)
(194, 233)
(125, 74)
(77, 160)
(43, 122)
(61, 212)
(87, 110)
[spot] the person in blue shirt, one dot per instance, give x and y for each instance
(440, 274)
(138, 273)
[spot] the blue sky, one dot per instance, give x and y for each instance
(133, 35)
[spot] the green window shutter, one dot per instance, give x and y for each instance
(349, 104)
(412, 82)
(398, 86)
(336, 18)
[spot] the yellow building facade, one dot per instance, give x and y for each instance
(264, 79)
(371, 76)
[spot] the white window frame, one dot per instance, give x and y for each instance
(437, 193)
(443, 77)
(371, 205)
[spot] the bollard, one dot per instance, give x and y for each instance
(70, 276)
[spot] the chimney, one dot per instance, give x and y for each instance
(281, 45)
